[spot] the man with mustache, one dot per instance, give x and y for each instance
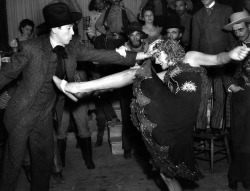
(135, 43)
(181, 8)
(237, 81)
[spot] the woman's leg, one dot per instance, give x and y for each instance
(172, 184)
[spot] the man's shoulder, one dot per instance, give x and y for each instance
(223, 7)
(34, 43)
(199, 12)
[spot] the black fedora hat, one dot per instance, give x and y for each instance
(173, 21)
(135, 26)
(58, 14)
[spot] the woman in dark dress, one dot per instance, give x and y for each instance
(166, 104)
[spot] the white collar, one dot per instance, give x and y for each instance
(54, 43)
(211, 5)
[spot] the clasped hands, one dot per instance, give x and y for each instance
(72, 89)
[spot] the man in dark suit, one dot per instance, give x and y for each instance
(28, 117)
(208, 37)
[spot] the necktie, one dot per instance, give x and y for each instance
(209, 10)
(60, 68)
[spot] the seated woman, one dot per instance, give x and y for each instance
(153, 32)
(166, 105)
(26, 28)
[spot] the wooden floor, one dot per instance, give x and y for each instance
(114, 173)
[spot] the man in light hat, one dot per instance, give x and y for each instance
(237, 81)
(28, 116)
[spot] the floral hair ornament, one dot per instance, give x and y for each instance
(172, 48)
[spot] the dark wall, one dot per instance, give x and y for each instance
(3, 27)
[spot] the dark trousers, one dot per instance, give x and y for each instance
(218, 109)
(239, 169)
(3, 136)
(36, 129)
(104, 112)
(129, 131)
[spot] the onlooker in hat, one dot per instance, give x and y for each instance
(136, 38)
(181, 8)
(174, 30)
(237, 81)
(28, 116)
(130, 135)
(208, 37)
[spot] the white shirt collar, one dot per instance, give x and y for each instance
(211, 5)
(54, 43)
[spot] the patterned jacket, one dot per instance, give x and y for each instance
(33, 62)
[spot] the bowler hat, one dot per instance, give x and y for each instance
(173, 21)
(58, 14)
(135, 26)
(237, 18)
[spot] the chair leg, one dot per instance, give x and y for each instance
(212, 156)
(228, 150)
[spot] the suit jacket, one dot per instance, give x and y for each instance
(207, 34)
(33, 61)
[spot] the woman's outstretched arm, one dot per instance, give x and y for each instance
(78, 89)
(200, 59)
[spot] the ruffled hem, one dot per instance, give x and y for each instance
(160, 154)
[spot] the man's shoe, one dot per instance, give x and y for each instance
(233, 185)
(127, 154)
(27, 170)
(246, 184)
(58, 177)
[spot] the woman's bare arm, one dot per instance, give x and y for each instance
(113, 81)
(200, 59)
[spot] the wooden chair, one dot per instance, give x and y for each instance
(208, 145)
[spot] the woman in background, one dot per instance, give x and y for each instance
(26, 28)
(153, 32)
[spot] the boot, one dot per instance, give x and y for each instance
(62, 149)
(99, 141)
(27, 170)
(86, 149)
(58, 177)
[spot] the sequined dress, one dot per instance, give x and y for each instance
(166, 112)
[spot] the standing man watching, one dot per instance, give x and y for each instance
(135, 43)
(237, 81)
(28, 117)
(181, 8)
(111, 24)
(208, 37)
